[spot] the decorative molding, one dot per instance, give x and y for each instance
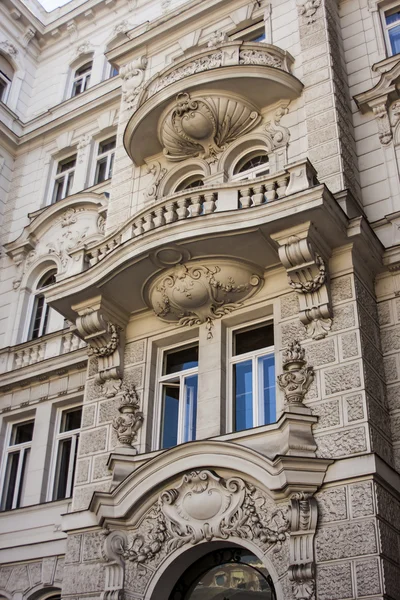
(130, 420)
(217, 38)
(382, 118)
(158, 173)
(29, 34)
(278, 134)
(307, 9)
(307, 275)
(72, 29)
(304, 517)
(9, 49)
(193, 293)
(132, 75)
(122, 27)
(101, 327)
(297, 378)
(259, 57)
(204, 126)
(82, 145)
(84, 48)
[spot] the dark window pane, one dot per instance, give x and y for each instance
(243, 395)
(46, 319)
(169, 418)
(58, 189)
(71, 419)
(266, 379)
(70, 181)
(189, 184)
(3, 87)
(110, 170)
(86, 83)
(66, 165)
(84, 69)
(107, 145)
(189, 433)
(77, 88)
(101, 170)
(258, 37)
(63, 458)
(253, 162)
(10, 480)
(393, 18)
(22, 433)
(37, 316)
(47, 279)
(22, 481)
(394, 35)
(179, 360)
(253, 339)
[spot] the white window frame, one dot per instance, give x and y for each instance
(248, 32)
(172, 377)
(8, 82)
(109, 71)
(253, 173)
(254, 356)
(63, 174)
(46, 311)
(108, 155)
(84, 78)
(385, 27)
(59, 437)
(10, 449)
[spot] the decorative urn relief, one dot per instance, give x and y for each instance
(194, 293)
(204, 125)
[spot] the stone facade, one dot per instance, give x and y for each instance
(251, 184)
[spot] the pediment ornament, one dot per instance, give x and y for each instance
(204, 126)
(192, 294)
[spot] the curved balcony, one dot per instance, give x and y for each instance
(235, 78)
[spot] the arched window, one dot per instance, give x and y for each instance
(41, 311)
(189, 183)
(251, 166)
(6, 76)
(81, 79)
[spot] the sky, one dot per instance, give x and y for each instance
(52, 4)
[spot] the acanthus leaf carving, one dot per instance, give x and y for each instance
(132, 75)
(297, 377)
(308, 9)
(130, 420)
(259, 57)
(382, 118)
(158, 173)
(307, 275)
(278, 134)
(204, 126)
(192, 294)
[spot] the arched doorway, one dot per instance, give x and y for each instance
(224, 574)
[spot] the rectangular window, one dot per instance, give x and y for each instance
(253, 377)
(66, 452)
(16, 460)
(64, 179)
(178, 393)
(105, 160)
(253, 33)
(392, 29)
(81, 79)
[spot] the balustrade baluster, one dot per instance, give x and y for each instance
(148, 222)
(18, 359)
(209, 202)
(196, 205)
(170, 214)
(41, 351)
(270, 193)
(66, 343)
(182, 210)
(34, 354)
(25, 356)
(138, 227)
(258, 195)
(282, 183)
(159, 219)
(245, 197)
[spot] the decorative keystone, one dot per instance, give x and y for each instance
(131, 418)
(297, 377)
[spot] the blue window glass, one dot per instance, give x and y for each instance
(394, 36)
(189, 433)
(259, 38)
(243, 395)
(266, 382)
(170, 415)
(392, 18)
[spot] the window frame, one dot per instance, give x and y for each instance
(160, 382)
(45, 314)
(83, 77)
(252, 173)
(67, 184)
(254, 356)
(11, 449)
(247, 33)
(7, 82)
(384, 10)
(55, 449)
(109, 155)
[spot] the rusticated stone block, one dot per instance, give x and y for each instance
(349, 344)
(334, 581)
(395, 423)
(381, 445)
(384, 313)
(371, 354)
(35, 572)
(328, 413)
(83, 493)
(88, 415)
(49, 567)
(390, 541)
(134, 376)
(368, 578)
(87, 579)
(341, 289)
(365, 298)
(390, 339)
(340, 379)
(374, 385)
(92, 441)
(294, 330)
(321, 353)
(73, 552)
(368, 326)
(82, 470)
(355, 407)
(343, 317)
(390, 367)
(342, 443)
(388, 506)
(93, 366)
(393, 397)
(59, 572)
(108, 410)
(289, 305)
(100, 469)
(135, 352)
(332, 505)
(19, 579)
(391, 577)
(92, 544)
(5, 573)
(93, 391)
(344, 540)
(378, 416)
(361, 499)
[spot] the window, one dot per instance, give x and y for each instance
(253, 33)
(392, 29)
(105, 160)
(81, 79)
(6, 75)
(41, 311)
(66, 452)
(189, 183)
(112, 71)
(253, 377)
(178, 393)
(251, 166)
(16, 464)
(64, 179)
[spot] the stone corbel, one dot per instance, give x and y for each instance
(101, 325)
(132, 75)
(112, 548)
(306, 264)
(381, 114)
(304, 516)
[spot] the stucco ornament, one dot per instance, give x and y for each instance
(192, 293)
(382, 118)
(308, 8)
(9, 49)
(297, 377)
(132, 76)
(130, 420)
(158, 174)
(304, 517)
(204, 126)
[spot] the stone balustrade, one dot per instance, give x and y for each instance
(205, 200)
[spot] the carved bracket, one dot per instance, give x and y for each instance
(308, 9)
(130, 420)
(115, 568)
(304, 516)
(307, 275)
(132, 75)
(102, 327)
(297, 377)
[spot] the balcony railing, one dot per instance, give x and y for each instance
(199, 202)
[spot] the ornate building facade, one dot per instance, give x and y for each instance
(199, 304)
